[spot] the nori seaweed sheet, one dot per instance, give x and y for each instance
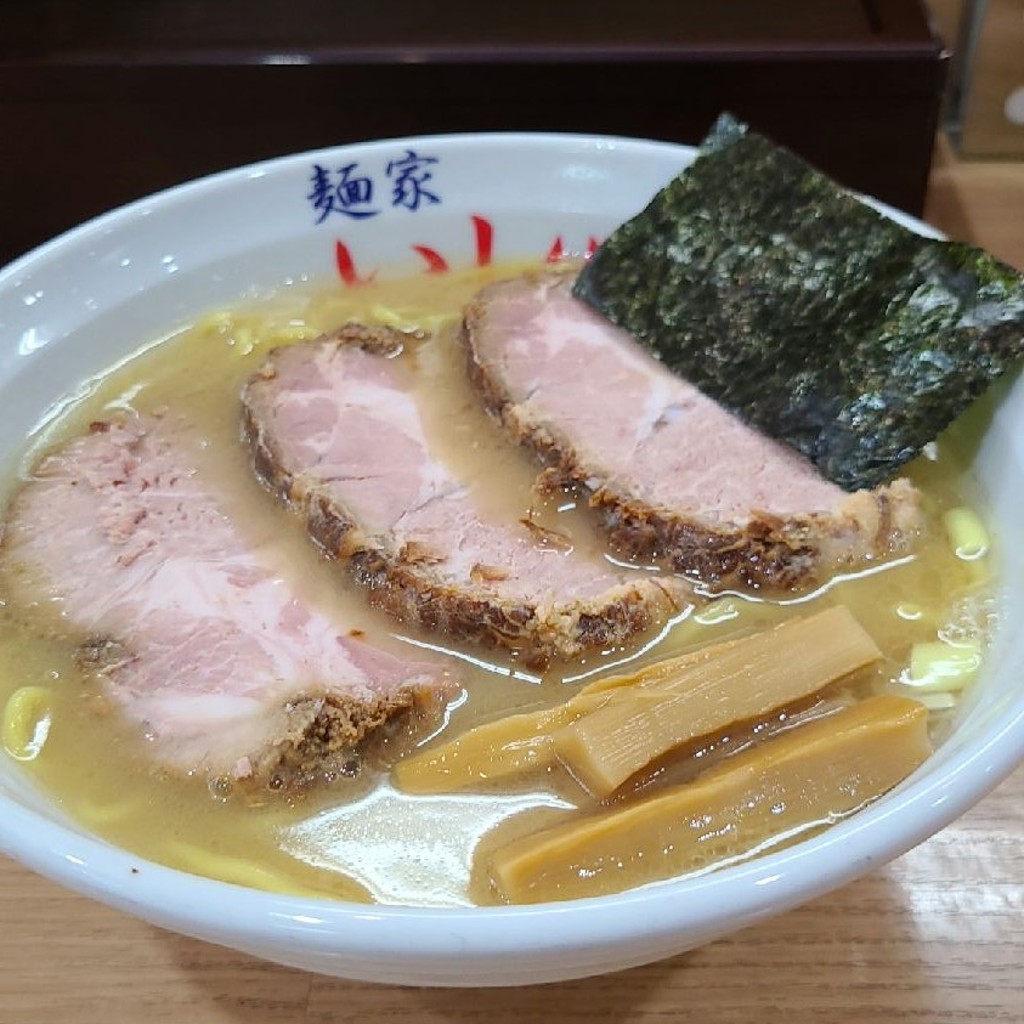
(803, 310)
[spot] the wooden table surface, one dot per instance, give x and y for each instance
(937, 936)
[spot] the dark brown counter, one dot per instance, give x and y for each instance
(103, 102)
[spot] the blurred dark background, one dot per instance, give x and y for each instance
(106, 101)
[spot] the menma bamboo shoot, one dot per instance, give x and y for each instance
(495, 750)
(736, 681)
(721, 683)
(517, 743)
(809, 776)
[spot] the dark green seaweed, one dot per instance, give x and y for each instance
(799, 307)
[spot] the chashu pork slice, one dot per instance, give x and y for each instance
(680, 482)
(336, 431)
(225, 669)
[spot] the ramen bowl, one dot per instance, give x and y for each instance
(91, 297)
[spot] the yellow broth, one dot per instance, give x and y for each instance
(358, 838)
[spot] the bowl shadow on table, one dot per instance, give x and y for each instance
(870, 925)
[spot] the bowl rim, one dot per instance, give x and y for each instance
(706, 904)
(453, 141)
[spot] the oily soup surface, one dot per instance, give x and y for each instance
(359, 838)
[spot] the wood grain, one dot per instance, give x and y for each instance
(936, 937)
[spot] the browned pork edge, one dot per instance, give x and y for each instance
(402, 584)
(320, 737)
(765, 552)
(315, 736)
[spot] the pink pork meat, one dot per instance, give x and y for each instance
(227, 671)
(336, 432)
(679, 481)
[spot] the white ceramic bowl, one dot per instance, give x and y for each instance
(76, 305)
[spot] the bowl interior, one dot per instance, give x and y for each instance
(79, 304)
